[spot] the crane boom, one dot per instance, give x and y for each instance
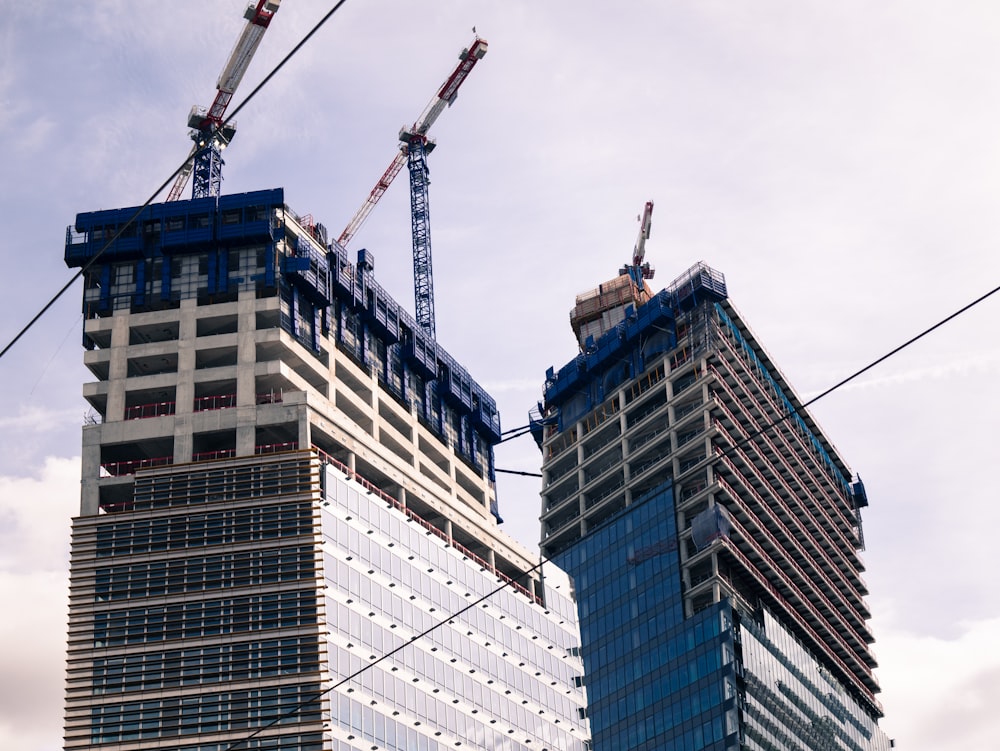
(644, 227)
(208, 132)
(373, 198)
(638, 270)
(444, 97)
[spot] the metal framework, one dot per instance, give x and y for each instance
(207, 165)
(423, 277)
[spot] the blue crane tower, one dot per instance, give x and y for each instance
(209, 129)
(414, 147)
(418, 147)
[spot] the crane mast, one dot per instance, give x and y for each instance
(209, 131)
(423, 278)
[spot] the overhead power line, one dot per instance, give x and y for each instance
(510, 435)
(518, 472)
(170, 179)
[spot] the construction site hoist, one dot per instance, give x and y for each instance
(413, 150)
(638, 270)
(209, 131)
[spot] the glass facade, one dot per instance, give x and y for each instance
(504, 674)
(654, 680)
(242, 628)
(791, 701)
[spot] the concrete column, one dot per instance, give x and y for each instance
(91, 470)
(304, 438)
(186, 343)
(117, 367)
(246, 382)
(183, 439)
(246, 349)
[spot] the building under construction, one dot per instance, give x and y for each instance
(711, 529)
(284, 479)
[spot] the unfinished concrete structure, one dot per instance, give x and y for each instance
(285, 478)
(712, 530)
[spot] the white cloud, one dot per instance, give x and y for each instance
(32, 660)
(35, 517)
(34, 554)
(941, 694)
(35, 419)
(978, 365)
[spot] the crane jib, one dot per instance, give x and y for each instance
(445, 96)
(473, 56)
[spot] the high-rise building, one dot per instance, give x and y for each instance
(284, 479)
(710, 527)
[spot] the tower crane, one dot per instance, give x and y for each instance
(638, 270)
(413, 150)
(210, 133)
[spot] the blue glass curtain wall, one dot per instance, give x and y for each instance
(654, 680)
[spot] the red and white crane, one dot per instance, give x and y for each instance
(209, 133)
(444, 97)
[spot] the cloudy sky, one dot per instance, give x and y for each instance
(839, 162)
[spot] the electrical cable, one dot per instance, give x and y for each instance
(516, 430)
(518, 472)
(751, 435)
(524, 431)
(55, 353)
(83, 269)
(901, 347)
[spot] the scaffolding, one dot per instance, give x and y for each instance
(603, 308)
